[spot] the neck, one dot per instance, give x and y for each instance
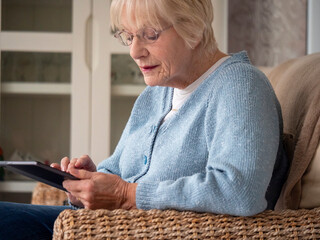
(202, 63)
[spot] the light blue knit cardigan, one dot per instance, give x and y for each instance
(216, 154)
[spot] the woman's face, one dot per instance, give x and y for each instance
(166, 62)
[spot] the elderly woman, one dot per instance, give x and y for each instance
(204, 136)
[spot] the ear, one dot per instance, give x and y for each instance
(196, 43)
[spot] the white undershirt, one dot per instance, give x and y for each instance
(181, 95)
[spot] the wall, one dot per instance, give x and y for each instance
(220, 23)
(313, 26)
(272, 31)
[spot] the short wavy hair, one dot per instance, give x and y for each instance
(192, 19)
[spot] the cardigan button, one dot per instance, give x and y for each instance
(145, 159)
(153, 128)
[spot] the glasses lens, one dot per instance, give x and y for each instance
(149, 35)
(124, 38)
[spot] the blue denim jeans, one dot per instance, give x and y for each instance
(26, 221)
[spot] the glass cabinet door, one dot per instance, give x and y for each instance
(36, 15)
(35, 67)
(35, 80)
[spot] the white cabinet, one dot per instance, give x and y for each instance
(111, 96)
(35, 82)
(67, 86)
(56, 93)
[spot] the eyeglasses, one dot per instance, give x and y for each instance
(147, 35)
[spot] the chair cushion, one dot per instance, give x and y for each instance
(310, 189)
(297, 86)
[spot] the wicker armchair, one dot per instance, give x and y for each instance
(43, 194)
(171, 224)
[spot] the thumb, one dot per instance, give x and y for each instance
(80, 173)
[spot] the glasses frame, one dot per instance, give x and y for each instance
(139, 34)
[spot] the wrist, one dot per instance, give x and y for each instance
(130, 198)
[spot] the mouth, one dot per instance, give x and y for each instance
(148, 68)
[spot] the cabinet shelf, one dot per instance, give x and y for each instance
(38, 42)
(125, 90)
(36, 88)
(17, 186)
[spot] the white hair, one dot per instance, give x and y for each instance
(192, 19)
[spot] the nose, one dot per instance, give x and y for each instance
(138, 49)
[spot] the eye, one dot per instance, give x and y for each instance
(125, 37)
(150, 34)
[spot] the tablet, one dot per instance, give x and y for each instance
(39, 172)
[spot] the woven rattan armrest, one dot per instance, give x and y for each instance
(170, 224)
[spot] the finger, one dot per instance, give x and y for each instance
(73, 160)
(72, 188)
(72, 198)
(79, 199)
(79, 173)
(55, 165)
(83, 162)
(75, 197)
(64, 163)
(72, 164)
(75, 200)
(75, 187)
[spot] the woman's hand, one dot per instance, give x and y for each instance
(84, 162)
(98, 190)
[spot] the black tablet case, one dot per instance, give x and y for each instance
(39, 172)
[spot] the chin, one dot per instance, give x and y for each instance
(151, 82)
(156, 81)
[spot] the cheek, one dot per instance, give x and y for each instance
(162, 57)
(178, 58)
(174, 66)
(165, 70)
(170, 61)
